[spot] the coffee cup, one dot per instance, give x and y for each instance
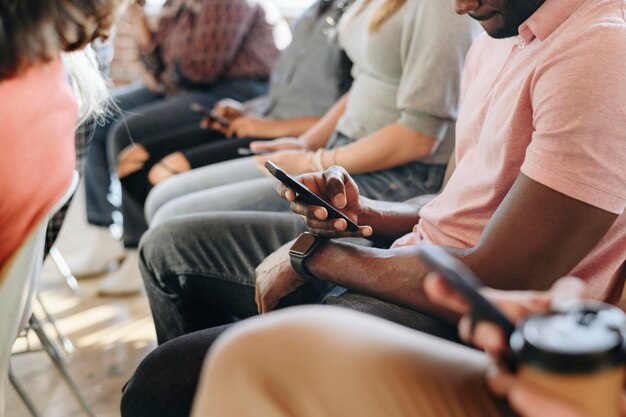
(577, 354)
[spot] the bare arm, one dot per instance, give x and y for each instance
(319, 134)
(536, 236)
(291, 127)
(390, 146)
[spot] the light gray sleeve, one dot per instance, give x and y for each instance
(434, 44)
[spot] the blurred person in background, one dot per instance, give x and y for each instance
(309, 76)
(201, 51)
(39, 112)
(394, 128)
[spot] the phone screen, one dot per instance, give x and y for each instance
(307, 195)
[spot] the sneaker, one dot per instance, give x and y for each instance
(124, 281)
(100, 252)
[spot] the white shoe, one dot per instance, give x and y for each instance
(99, 252)
(126, 280)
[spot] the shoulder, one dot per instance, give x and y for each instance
(439, 18)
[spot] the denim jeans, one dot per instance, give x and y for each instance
(199, 277)
(239, 185)
(98, 173)
(148, 119)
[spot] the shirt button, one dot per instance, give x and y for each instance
(521, 43)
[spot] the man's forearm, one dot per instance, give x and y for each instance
(390, 220)
(393, 275)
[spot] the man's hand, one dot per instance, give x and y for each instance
(530, 401)
(526, 399)
(280, 144)
(516, 305)
(337, 187)
(293, 162)
(275, 279)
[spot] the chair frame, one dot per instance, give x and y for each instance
(22, 276)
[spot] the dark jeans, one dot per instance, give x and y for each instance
(199, 277)
(149, 119)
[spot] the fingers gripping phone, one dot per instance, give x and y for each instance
(308, 196)
(209, 114)
(463, 280)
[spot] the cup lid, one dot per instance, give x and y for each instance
(588, 337)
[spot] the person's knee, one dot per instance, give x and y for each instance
(281, 334)
(160, 195)
(156, 248)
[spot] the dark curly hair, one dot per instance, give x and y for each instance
(37, 31)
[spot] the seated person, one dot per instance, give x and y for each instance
(302, 361)
(394, 129)
(38, 110)
(309, 76)
(201, 51)
(534, 197)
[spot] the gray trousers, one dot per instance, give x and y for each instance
(199, 277)
(199, 273)
(239, 185)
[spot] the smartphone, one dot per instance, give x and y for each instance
(209, 114)
(463, 280)
(249, 152)
(308, 196)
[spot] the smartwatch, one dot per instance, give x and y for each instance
(301, 249)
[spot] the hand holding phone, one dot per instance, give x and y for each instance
(209, 114)
(465, 282)
(305, 194)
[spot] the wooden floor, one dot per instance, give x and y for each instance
(111, 337)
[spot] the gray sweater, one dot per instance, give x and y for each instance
(305, 81)
(408, 72)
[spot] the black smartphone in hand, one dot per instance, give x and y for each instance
(209, 114)
(305, 194)
(465, 282)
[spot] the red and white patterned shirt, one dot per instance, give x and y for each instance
(204, 41)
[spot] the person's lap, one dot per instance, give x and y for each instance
(199, 274)
(157, 122)
(239, 185)
(193, 191)
(313, 361)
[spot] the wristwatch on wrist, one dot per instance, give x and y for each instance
(301, 249)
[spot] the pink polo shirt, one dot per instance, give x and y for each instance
(37, 154)
(551, 104)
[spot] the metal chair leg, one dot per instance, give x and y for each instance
(54, 354)
(23, 395)
(65, 270)
(65, 341)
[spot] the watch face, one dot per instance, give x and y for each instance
(303, 244)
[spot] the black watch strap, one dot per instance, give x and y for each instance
(302, 248)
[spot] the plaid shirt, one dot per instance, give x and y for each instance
(201, 42)
(84, 135)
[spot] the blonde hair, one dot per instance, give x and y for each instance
(384, 12)
(90, 87)
(35, 32)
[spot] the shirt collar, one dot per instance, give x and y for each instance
(547, 19)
